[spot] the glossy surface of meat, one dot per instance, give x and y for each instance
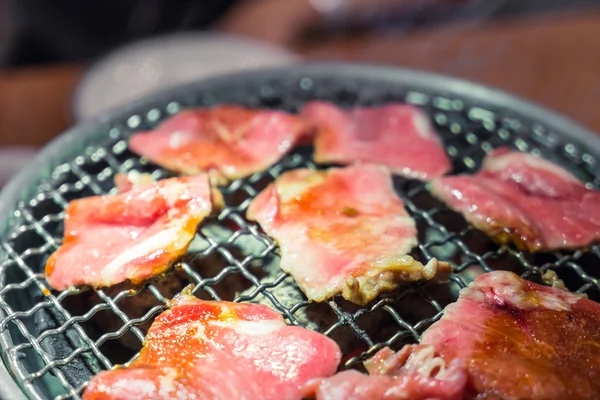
(398, 136)
(505, 338)
(134, 235)
(521, 340)
(133, 179)
(525, 199)
(342, 231)
(227, 141)
(414, 373)
(220, 350)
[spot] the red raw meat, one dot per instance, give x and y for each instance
(220, 350)
(414, 373)
(342, 231)
(228, 141)
(521, 340)
(522, 198)
(505, 338)
(133, 236)
(398, 136)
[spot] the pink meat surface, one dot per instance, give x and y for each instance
(522, 198)
(505, 338)
(228, 141)
(133, 179)
(220, 350)
(343, 230)
(133, 236)
(398, 136)
(521, 340)
(414, 373)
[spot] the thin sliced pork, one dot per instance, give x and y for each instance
(398, 136)
(522, 198)
(220, 350)
(505, 338)
(414, 373)
(133, 236)
(342, 231)
(521, 340)
(228, 141)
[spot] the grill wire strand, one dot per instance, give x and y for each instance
(39, 321)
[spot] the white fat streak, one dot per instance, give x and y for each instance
(511, 289)
(166, 382)
(137, 178)
(135, 385)
(504, 161)
(156, 242)
(251, 328)
(174, 191)
(175, 139)
(425, 362)
(200, 331)
(297, 182)
(422, 125)
(557, 303)
(133, 176)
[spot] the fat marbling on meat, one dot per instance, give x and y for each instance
(414, 373)
(220, 350)
(131, 180)
(521, 340)
(226, 141)
(399, 136)
(133, 235)
(525, 199)
(505, 338)
(343, 230)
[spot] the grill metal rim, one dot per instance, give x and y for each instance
(77, 138)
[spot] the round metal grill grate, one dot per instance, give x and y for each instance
(55, 342)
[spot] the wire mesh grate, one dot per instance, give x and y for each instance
(60, 340)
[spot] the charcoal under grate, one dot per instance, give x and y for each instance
(53, 343)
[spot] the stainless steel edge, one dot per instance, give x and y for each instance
(73, 139)
(9, 390)
(9, 196)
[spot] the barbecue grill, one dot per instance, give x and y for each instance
(49, 343)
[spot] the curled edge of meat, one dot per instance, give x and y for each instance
(301, 132)
(132, 179)
(366, 282)
(364, 288)
(330, 134)
(137, 374)
(509, 166)
(135, 180)
(413, 373)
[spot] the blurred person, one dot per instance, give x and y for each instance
(66, 30)
(43, 31)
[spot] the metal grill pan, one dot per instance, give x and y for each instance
(51, 342)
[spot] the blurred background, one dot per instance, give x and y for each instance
(63, 61)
